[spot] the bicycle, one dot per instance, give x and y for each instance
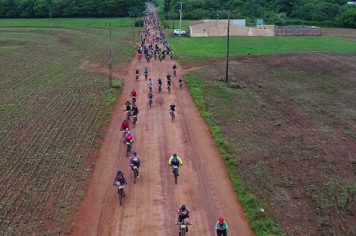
(128, 114)
(134, 120)
(172, 115)
(135, 172)
(183, 227)
(120, 191)
(129, 147)
(175, 173)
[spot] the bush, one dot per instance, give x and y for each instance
(139, 22)
(348, 17)
(117, 84)
(198, 14)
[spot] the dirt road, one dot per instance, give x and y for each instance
(151, 204)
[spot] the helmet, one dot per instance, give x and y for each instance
(119, 172)
(125, 120)
(221, 219)
(183, 208)
(129, 132)
(133, 89)
(175, 154)
(149, 79)
(127, 101)
(135, 153)
(174, 64)
(172, 103)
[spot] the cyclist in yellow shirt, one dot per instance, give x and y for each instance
(175, 160)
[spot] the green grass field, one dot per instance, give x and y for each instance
(216, 46)
(115, 21)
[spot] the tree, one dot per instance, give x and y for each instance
(349, 17)
(134, 12)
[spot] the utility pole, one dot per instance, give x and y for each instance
(227, 48)
(180, 18)
(173, 16)
(110, 68)
(50, 13)
(133, 30)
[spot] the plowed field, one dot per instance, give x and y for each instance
(53, 101)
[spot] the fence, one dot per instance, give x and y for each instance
(297, 30)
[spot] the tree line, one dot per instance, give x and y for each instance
(272, 11)
(68, 8)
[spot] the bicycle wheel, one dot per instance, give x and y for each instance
(135, 175)
(120, 196)
(175, 176)
(128, 151)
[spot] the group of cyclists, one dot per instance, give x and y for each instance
(135, 160)
(159, 81)
(151, 49)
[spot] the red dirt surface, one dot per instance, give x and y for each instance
(151, 204)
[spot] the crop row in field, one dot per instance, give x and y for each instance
(51, 111)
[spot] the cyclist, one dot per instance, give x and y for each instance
(135, 160)
(183, 214)
(172, 107)
(180, 80)
(169, 80)
(135, 111)
(150, 96)
(137, 72)
(171, 53)
(127, 106)
(133, 93)
(221, 227)
(159, 81)
(121, 178)
(125, 125)
(174, 66)
(128, 137)
(145, 70)
(175, 160)
(150, 82)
